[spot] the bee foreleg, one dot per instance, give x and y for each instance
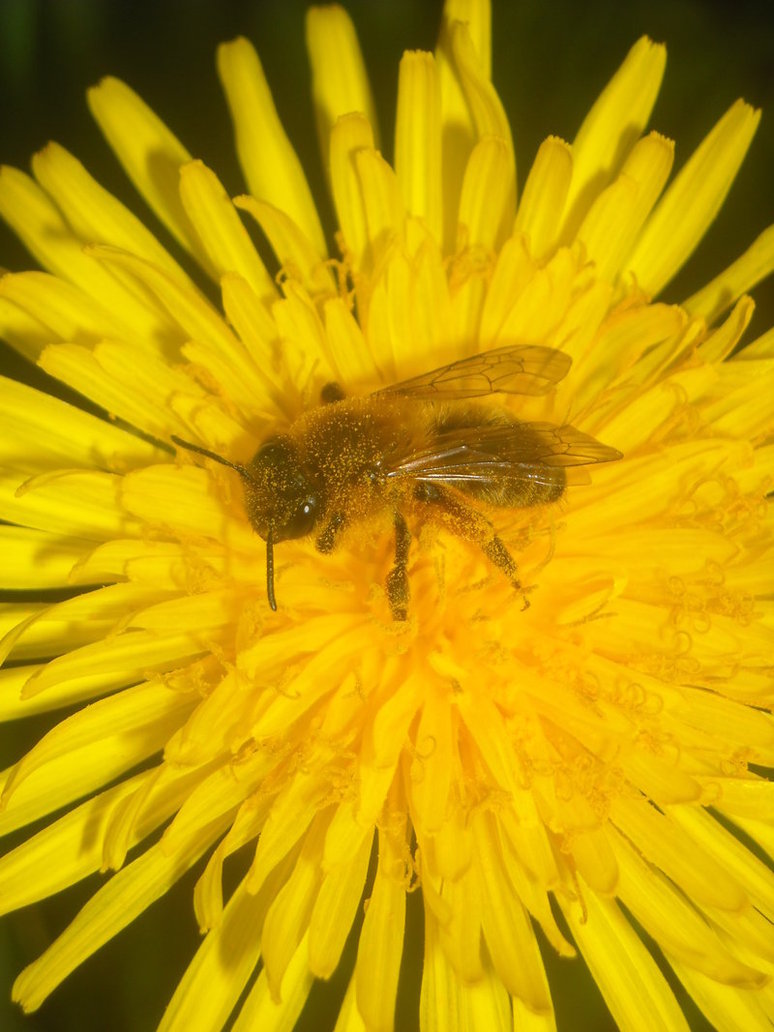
(398, 592)
(466, 522)
(326, 539)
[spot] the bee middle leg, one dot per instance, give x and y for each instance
(467, 522)
(398, 591)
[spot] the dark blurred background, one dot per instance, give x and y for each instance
(550, 60)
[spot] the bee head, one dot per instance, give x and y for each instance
(281, 499)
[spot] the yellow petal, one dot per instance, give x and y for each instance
(510, 938)
(133, 712)
(409, 317)
(184, 499)
(26, 872)
(483, 720)
(51, 433)
(263, 1010)
(198, 318)
(160, 792)
(73, 315)
(476, 15)
(219, 228)
(719, 344)
(383, 206)
(485, 106)
(382, 754)
(448, 1004)
(634, 989)
(674, 923)
(488, 114)
(461, 933)
(111, 908)
(37, 630)
(150, 154)
(621, 339)
(690, 204)
(217, 796)
(208, 892)
(484, 213)
(660, 779)
(72, 502)
(458, 134)
(14, 705)
(512, 272)
(350, 134)
(40, 226)
(73, 771)
(34, 560)
(603, 230)
(304, 346)
(418, 139)
(736, 861)
(298, 259)
(748, 797)
(431, 769)
(743, 409)
(120, 659)
(94, 215)
(270, 165)
(755, 264)
(292, 813)
(25, 333)
(141, 393)
(339, 78)
(212, 345)
(661, 840)
(597, 863)
(198, 613)
(287, 918)
(336, 906)
(612, 127)
(252, 322)
(221, 967)
(763, 347)
(615, 217)
(545, 192)
(349, 355)
(381, 943)
(530, 302)
(723, 1007)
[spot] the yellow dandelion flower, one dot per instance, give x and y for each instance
(541, 723)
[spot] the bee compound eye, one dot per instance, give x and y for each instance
(304, 517)
(273, 454)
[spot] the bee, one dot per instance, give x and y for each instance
(422, 448)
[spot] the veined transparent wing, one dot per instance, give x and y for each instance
(518, 369)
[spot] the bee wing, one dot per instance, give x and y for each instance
(520, 451)
(517, 369)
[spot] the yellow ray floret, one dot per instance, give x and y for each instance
(560, 749)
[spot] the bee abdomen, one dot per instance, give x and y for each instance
(535, 487)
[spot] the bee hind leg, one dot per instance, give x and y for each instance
(468, 523)
(398, 591)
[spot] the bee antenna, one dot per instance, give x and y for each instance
(241, 470)
(270, 570)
